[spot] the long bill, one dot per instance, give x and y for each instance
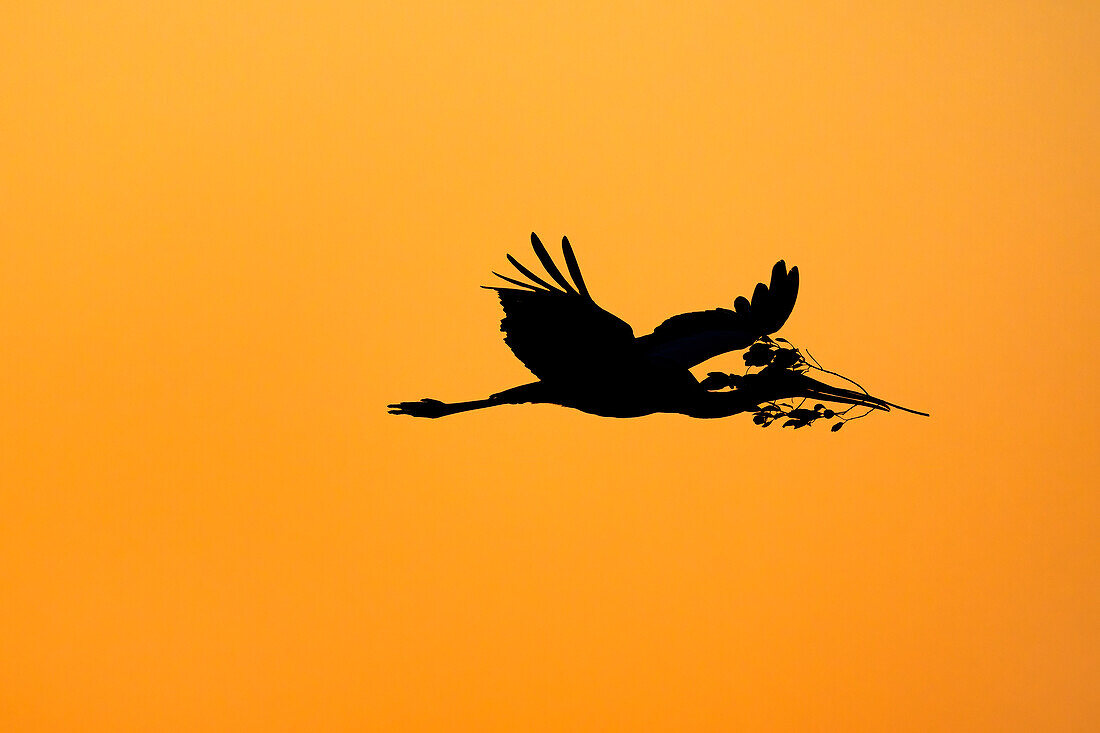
(813, 388)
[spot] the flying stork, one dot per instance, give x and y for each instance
(590, 360)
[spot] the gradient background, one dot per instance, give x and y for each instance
(231, 235)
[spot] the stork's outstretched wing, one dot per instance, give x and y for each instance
(692, 338)
(558, 331)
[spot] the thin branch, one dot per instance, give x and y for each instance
(839, 375)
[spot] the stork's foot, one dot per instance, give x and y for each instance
(424, 408)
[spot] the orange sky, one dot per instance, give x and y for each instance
(231, 236)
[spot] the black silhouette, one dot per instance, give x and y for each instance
(590, 360)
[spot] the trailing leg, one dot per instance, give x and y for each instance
(434, 408)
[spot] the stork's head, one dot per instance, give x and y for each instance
(779, 373)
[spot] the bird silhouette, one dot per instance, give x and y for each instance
(590, 360)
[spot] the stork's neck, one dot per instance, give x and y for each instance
(723, 404)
